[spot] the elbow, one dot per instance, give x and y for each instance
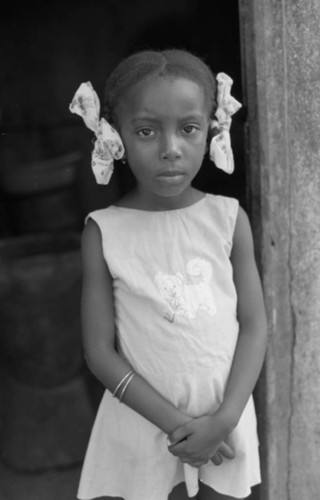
(98, 358)
(89, 360)
(263, 328)
(256, 328)
(92, 364)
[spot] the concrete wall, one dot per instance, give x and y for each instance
(281, 61)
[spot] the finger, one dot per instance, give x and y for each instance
(225, 450)
(217, 459)
(178, 450)
(195, 463)
(171, 443)
(200, 463)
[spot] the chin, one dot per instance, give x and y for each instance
(171, 192)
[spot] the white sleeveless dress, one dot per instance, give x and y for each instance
(175, 306)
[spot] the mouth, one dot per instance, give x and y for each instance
(171, 177)
(170, 174)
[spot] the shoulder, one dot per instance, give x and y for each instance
(103, 230)
(243, 226)
(221, 199)
(242, 239)
(92, 228)
(99, 215)
(223, 210)
(93, 232)
(91, 241)
(227, 205)
(102, 222)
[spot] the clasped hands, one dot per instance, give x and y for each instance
(200, 440)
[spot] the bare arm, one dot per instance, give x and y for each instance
(252, 341)
(205, 433)
(98, 332)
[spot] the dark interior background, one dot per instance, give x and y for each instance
(47, 50)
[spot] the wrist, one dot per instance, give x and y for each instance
(177, 420)
(228, 417)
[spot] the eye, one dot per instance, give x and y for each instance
(190, 129)
(145, 132)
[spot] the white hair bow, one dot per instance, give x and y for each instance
(108, 145)
(220, 146)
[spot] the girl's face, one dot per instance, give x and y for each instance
(164, 125)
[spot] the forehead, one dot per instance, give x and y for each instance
(163, 97)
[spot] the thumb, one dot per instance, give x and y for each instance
(179, 434)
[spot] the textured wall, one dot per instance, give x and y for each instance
(281, 53)
(303, 60)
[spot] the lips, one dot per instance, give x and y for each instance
(169, 178)
(170, 173)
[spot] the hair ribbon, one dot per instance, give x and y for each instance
(108, 145)
(220, 145)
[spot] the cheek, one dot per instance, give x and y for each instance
(140, 163)
(202, 140)
(140, 154)
(201, 148)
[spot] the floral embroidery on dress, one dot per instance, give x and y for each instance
(187, 295)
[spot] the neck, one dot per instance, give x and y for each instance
(144, 200)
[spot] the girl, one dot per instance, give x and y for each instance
(172, 308)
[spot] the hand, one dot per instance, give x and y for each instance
(224, 450)
(200, 440)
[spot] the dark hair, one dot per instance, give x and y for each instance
(172, 62)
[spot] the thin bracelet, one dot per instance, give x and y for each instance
(121, 382)
(125, 387)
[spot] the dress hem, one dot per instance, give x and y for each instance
(217, 490)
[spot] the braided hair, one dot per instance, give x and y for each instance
(170, 63)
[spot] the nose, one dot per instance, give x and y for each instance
(170, 147)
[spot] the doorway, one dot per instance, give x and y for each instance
(49, 50)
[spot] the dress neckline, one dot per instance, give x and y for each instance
(168, 211)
